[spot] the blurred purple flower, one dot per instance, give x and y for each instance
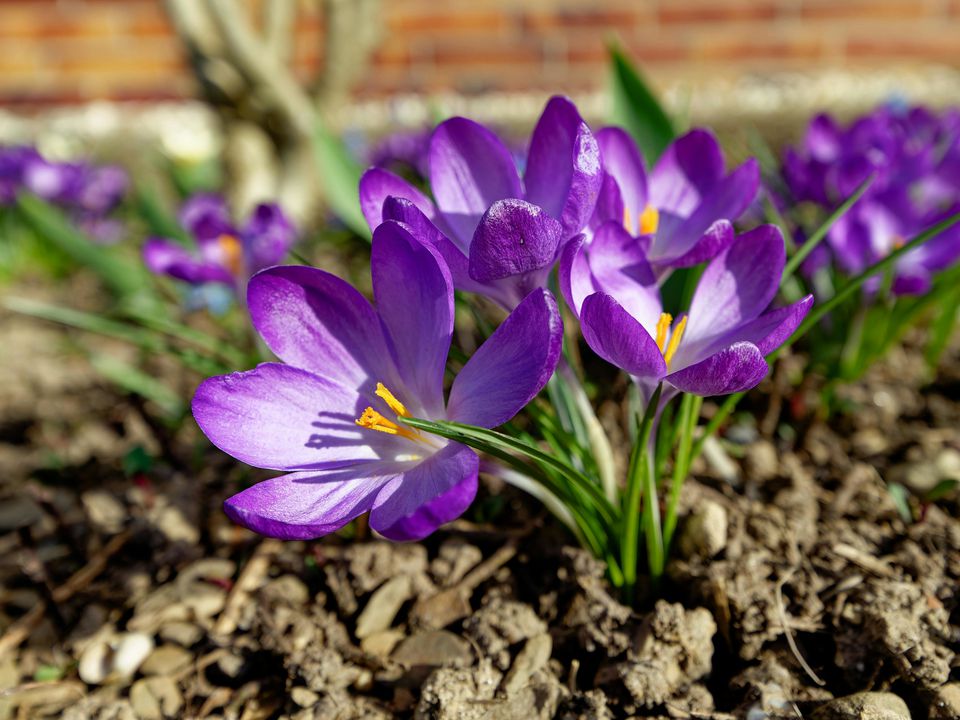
(718, 347)
(329, 413)
(13, 163)
(406, 147)
(499, 235)
(914, 156)
(223, 253)
(682, 212)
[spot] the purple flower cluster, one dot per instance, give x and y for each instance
(914, 156)
(331, 413)
(224, 254)
(86, 191)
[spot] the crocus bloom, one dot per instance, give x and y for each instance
(683, 211)
(914, 157)
(499, 235)
(329, 415)
(715, 348)
(224, 254)
(13, 164)
(81, 186)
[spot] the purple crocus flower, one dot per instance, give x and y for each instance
(499, 235)
(715, 348)
(405, 147)
(682, 212)
(79, 186)
(224, 254)
(914, 156)
(329, 414)
(13, 163)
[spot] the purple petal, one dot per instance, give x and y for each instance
(736, 286)
(686, 172)
(316, 321)
(823, 140)
(772, 329)
(414, 294)
(432, 493)
(513, 238)
(306, 505)
(563, 172)
(734, 369)
(268, 236)
(715, 240)
(610, 203)
(284, 418)
(166, 257)
(377, 184)
(206, 217)
(469, 170)
(620, 269)
(727, 199)
(406, 212)
(576, 280)
(622, 161)
(512, 365)
(618, 338)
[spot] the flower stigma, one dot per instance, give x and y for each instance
(232, 251)
(669, 348)
(649, 220)
(372, 420)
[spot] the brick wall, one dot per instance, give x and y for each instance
(61, 51)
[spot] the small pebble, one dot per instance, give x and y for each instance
(304, 697)
(166, 660)
(864, 706)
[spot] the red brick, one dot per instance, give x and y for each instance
(866, 10)
(684, 12)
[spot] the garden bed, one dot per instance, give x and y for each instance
(797, 584)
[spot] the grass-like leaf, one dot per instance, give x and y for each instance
(636, 108)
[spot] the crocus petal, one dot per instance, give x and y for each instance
(512, 365)
(726, 199)
(167, 257)
(563, 173)
(469, 170)
(715, 240)
(736, 286)
(414, 294)
(622, 161)
(314, 320)
(206, 217)
(514, 237)
(772, 329)
(734, 369)
(306, 505)
(432, 493)
(267, 237)
(576, 280)
(619, 267)
(609, 203)
(617, 337)
(377, 184)
(284, 418)
(686, 172)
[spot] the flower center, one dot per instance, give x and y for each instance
(372, 420)
(232, 252)
(669, 348)
(649, 220)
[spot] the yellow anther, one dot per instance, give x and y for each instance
(372, 420)
(232, 253)
(390, 399)
(663, 326)
(649, 220)
(675, 339)
(898, 242)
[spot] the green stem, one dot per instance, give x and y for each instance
(689, 414)
(639, 479)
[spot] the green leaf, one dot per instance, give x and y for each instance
(136, 381)
(941, 490)
(821, 232)
(636, 109)
(122, 276)
(641, 485)
(504, 446)
(341, 179)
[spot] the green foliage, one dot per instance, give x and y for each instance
(341, 176)
(636, 108)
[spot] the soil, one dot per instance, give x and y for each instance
(798, 589)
